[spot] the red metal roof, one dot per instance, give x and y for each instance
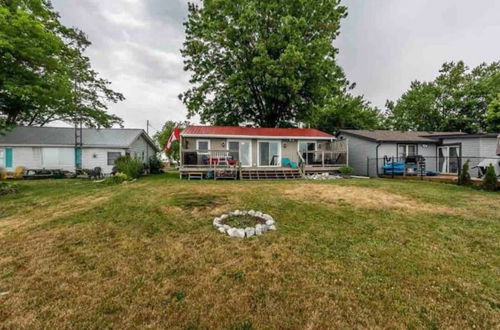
(254, 131)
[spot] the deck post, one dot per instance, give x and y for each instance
(323, 158)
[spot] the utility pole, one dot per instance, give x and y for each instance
(147, 126)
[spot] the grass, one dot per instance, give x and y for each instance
(242, 221)
(348, 253)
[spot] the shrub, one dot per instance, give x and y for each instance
(155, 165)
(346, 170)
(7, 188)
(490, 179)
(116, 179)
(464, 178)
(129, 166)
(3, 173)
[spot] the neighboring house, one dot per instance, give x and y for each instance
(54, 148)
(259, 152)
(444, 151)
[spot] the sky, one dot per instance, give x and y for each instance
(383, 44)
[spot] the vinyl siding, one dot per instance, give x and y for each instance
(359, 151)
(98, 157)
(139, 147)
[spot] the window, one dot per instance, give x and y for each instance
(407, 150)
(307, 149)
(241, 151)
(202, 146)
(269, 153)
(54, 158)
(112, 157)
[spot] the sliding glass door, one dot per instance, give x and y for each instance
(241, 150)
(449, 159)
(269, 153)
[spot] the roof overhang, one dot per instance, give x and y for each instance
(258, 137)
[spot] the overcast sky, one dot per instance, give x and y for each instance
(384, 45)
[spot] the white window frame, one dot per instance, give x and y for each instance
(198, 148)
(3, 159)
(279, 150)
(406, 145)
(251, 150)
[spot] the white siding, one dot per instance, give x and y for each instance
(32, 158)
(141, 147)
(488, 147)
(98, 157)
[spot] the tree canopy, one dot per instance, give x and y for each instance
(44, 74)
(457, 100)
(162, 137)
(348, 112)
(270, 63)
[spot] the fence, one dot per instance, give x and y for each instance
(428, 166)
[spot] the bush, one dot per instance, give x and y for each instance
(155, 165)
(116, 179)
(346, 170)
(3, 173)
(7, 188)
(464, 178)
(490, 179)
(131, 167)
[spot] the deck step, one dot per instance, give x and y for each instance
(278, 174)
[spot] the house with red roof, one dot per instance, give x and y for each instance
(258, 153)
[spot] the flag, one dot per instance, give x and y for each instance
(176, 134)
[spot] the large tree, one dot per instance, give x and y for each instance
(349, 112)
(44, 74)
(457, 100)
(270, 62)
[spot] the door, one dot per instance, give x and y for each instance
(269, 153)
(306, 149)
(241, 150)
(449, 159)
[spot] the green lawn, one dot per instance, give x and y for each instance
(347, 253)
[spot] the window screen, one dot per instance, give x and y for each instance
(112, 157)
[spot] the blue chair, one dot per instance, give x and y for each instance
(285, 162)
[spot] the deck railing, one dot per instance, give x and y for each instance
(208, 158)
(323, 158)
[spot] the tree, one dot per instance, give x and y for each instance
(464, 178)
(348, 112)
(162, 137)
(44, 74)
(270, 62)
(457, 100)
(490, 181)
(493, 115)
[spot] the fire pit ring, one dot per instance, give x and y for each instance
(264, 223)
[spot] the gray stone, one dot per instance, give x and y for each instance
(251, 212)
(235, 232)
(270, 222)
(249, 231)
(272, 227)
(222, 230)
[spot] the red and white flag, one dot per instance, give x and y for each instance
(176, 135)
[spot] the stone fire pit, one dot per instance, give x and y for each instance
(263, 223)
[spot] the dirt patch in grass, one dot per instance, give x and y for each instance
(362, 197)
(42, 213)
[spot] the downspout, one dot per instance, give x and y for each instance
(376, 158)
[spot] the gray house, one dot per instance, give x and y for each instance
(54, 148)
(369, 150)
